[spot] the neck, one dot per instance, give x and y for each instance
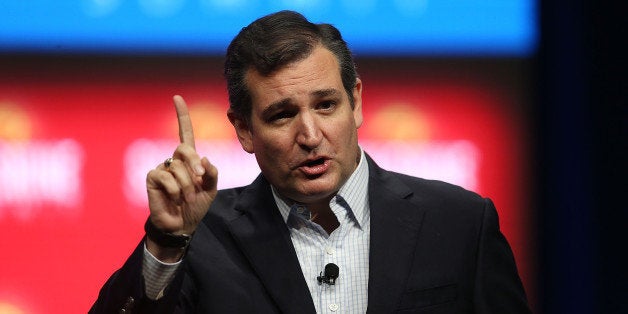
(323, 216)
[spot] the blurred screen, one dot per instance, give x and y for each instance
(373, 27)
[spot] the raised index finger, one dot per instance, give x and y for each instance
(186, 133)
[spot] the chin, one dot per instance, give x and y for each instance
(317, 191)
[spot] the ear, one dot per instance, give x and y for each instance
(243, 131)
(357, 103)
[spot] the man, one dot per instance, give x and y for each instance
(402, 244)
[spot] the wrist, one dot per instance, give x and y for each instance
(165, 239)
(164, 254)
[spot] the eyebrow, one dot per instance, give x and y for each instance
(278, 105)
(325, 92)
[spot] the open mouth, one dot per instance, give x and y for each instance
(315, 167)
(316, 162)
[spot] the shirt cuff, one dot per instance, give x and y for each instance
(157, 274)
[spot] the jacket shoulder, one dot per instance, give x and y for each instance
(435, 191)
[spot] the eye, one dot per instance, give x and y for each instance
(326, 105)
(285, 114)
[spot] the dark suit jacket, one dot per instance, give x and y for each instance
(435, 248)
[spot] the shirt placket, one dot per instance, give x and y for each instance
(331, 296)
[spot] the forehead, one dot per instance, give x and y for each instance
(307, 77)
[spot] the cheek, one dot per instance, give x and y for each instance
(348, 131)
(272, 147)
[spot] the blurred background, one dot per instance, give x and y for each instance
(519, 100)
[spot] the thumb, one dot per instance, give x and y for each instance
(210, 177)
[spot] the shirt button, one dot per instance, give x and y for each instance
(333, 307)
(300, 209)
(330, 250)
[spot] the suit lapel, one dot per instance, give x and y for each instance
(395, 224)
(265, 240)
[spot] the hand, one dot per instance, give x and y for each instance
(179, 195)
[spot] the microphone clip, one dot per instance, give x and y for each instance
(330, 274)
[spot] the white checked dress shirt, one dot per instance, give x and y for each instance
(347, 247)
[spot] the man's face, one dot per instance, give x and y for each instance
(302, 128)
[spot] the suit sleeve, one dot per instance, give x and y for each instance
(498, 288)
(124, 291)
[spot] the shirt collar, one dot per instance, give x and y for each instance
(354, 193)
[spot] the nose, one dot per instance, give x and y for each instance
(309, 133)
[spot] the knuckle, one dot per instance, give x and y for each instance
(184, 148)
(154, 175)
(185, 152)
(175, 164)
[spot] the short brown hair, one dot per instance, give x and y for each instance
(274, 41)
